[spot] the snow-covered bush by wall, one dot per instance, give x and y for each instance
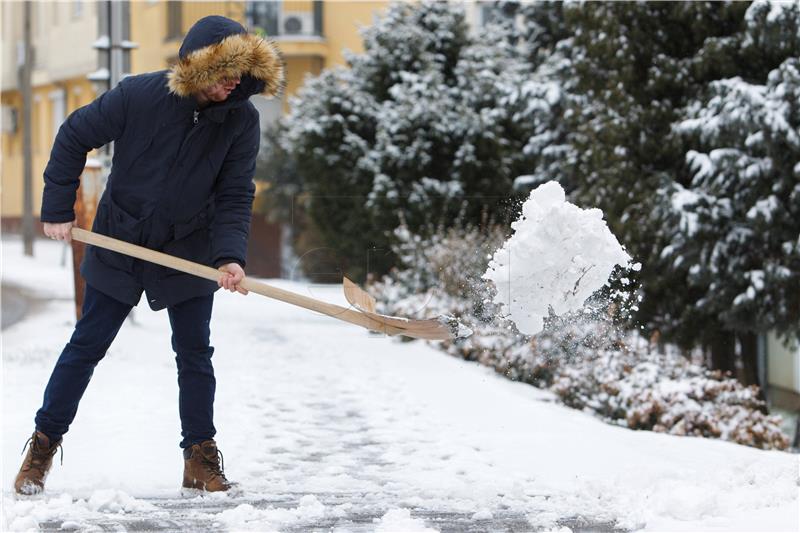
(589, 360)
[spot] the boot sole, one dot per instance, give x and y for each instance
(188, 492)
(29, 489)
(193, 492)
(32, 495)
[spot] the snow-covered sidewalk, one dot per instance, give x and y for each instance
(328, 427)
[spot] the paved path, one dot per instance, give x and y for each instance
(14, 305)
(188, 515)
(330, 429)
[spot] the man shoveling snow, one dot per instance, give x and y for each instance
(186, 142)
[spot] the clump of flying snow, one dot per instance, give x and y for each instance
(557, 257)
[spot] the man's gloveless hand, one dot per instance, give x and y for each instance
(232, 276)
(60, 231)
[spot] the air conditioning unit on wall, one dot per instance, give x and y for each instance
(296, 23)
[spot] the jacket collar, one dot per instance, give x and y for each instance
(217, 112)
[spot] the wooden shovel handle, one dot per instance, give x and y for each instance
(212, 274)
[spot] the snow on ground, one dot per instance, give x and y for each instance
(329, 427)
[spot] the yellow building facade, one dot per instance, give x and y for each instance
(59, 86)
(312, 35)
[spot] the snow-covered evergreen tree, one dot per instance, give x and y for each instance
(641, 68)
(737, 240)
(431, 121)
(537, 34)
(632, 79)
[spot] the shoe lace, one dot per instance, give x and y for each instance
(39, 456)
(215, 464)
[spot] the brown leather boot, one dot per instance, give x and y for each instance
(34, 469)
(202, 469)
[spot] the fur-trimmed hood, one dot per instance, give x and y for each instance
(217, 47)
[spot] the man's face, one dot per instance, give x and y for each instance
(220, 91)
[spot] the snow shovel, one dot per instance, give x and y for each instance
(362, 314)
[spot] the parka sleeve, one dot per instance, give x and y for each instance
(86, 128)
(233, 196)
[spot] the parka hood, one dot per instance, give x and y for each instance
(217, 47)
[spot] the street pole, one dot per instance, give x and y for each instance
(113, 47)
(27, 152)
(115, 67)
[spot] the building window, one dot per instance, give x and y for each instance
(10, 119)
(174, 19)
(262, 17)
(58, 102)
(38, 124)
(278, 19)
(318, 17)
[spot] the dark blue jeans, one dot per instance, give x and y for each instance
(95, 331)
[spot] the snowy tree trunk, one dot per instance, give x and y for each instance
(748, 341)
(723, 353)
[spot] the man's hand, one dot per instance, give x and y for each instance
(60, 231)
(232, 276)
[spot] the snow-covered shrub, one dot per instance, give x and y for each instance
(628, 382)
(446, 275)
(589, 360)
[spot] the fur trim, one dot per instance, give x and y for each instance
(236, 55)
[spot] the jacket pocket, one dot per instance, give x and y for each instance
(202, 220)
(115, 222)
(191, 239)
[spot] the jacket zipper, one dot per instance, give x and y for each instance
(188, 133)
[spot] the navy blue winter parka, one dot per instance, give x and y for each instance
(181, 176)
